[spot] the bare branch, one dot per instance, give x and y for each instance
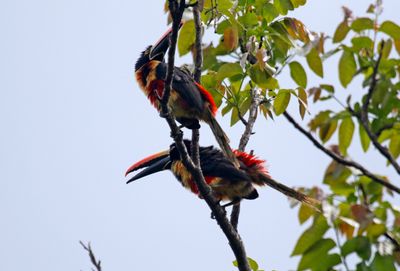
(198, 56)
(198, 62)
(255, 102)
(340, 159)
(88, 248)
(234, 239)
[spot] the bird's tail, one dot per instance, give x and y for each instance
(222, 139)
(290, 192)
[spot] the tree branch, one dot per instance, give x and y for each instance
(340, 159)
(96, 263)
(198, 56)
(255, 102)
(363, 115)
(198, 62)
(234, 239)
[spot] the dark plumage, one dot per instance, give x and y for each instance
(227, 182)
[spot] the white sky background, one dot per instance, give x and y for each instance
(73, 119)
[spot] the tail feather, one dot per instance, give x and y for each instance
(222, 139)
(290, 192)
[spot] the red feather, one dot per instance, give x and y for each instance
(251, 161)
(208, 97)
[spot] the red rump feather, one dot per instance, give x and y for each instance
(251, 161)
(207, 96)
(193, 186)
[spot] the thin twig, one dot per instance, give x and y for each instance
(234, 239)
(363, 115)
(340, 159)
(88, 248)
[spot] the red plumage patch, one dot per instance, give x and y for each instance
(251, 161)
(193, 186)
(208, 97)
(155, 91)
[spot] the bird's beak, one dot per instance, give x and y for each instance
(160, 48)
(152, 164)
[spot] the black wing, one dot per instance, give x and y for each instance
(184, 84)
(214, 163)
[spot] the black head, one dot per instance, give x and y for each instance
(155, 52)
(174, 153)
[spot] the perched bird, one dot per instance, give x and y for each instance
(228, 183)
(189, 101)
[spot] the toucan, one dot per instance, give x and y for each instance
(190, 102)
(228, 182)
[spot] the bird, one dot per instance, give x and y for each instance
(189, 101)
(227, 182)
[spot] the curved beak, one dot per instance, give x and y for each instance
(152, 164)
(161, 46)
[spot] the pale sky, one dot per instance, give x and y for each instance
(73, 119)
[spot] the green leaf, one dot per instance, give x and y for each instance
(298, 74)
(347, 68)
(346, 130)
(327, 130)
(222, 26)
(297, 3)
(362, 23)
(253, 264)
(262, 78)
(360, 244)
(234, 116)
(224, 6)
(269, 12)
(397, 46)
(394, 145)
(315, 63)
(390, 28)
(283, 6)
(364, 138)
(226, 109)
(186, 38)
(341, 32)
(228, 70)
(376, 230)
(387, 48)
(311, 235)
(305, 212)
(329, 88)
(381, 263)
(249, 20)
(281, 101)
(362, 42)
(312, 259)
(302, 96)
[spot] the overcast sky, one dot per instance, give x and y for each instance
(73, 119)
